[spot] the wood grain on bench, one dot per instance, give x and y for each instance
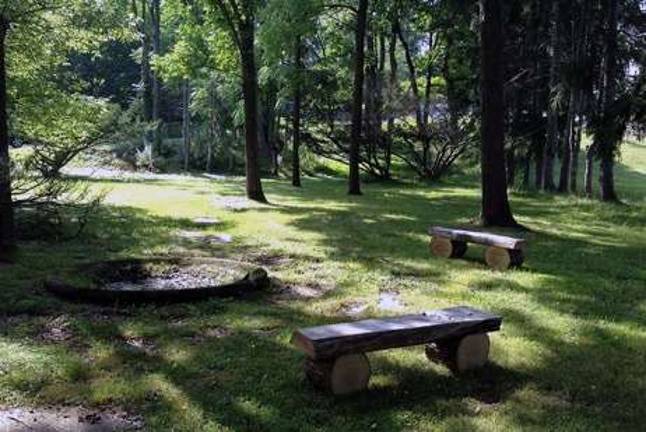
(334, 340)
(484, 238)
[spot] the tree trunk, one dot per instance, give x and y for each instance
(589, 168)
(155, 14)
(146, 87)
(412, 72)
(609, 138)
(296, 119)
(538, 162)
(250, 94)
(354, 182)
(511, 165)
(213, 127)
(7, 229)
(526, 171)
(495, 204)
(607, 180)
(392, 96)
(370, 89)
(186, 121)
(574, 157)
(568, 144)
(552, 117)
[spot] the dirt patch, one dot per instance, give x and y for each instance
(353, 308)
(57, 330)
(269, 259)
(69, 419)
(289, 291)
(200, 237)
(170, 277)
(140, 345)
(390, 301)
(266, 332)
(216, 332)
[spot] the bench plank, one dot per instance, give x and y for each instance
(484, 238)
(331, 341)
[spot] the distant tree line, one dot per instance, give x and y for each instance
(387, 87)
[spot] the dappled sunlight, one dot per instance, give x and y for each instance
(577, 302)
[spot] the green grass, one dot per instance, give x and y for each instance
(570, 355)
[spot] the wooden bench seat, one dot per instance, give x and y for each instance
(336, 357)
(502, 251)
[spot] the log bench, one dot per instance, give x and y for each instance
(502, 251)
(336, 354)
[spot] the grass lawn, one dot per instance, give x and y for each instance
(570, 356)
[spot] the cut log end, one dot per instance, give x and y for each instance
(502, 259)
(447, 248)
(461, 355)
(343, 375)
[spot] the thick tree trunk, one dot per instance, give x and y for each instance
(609, 138)
(250, 94)
(7, 229)
(552, 116)
(495, 204)
(296, 119)
(607, 180)
(354, 182)
(186, 121)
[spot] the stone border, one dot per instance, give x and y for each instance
(255, 280)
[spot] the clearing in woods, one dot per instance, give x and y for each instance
(570, 354)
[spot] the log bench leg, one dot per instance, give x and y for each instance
(461, 355)
(447, 248)
(501, 259)
(343, 375)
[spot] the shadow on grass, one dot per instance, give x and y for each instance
(251, 379)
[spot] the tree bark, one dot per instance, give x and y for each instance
(609, 139)
(568, 144)
(250, 94)
(495, 205)
(552, 117)
(526, 171)
(574, 157)
(296, 118)
(511, 164)
(354, 181)
(589, 168)
(7, 228)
